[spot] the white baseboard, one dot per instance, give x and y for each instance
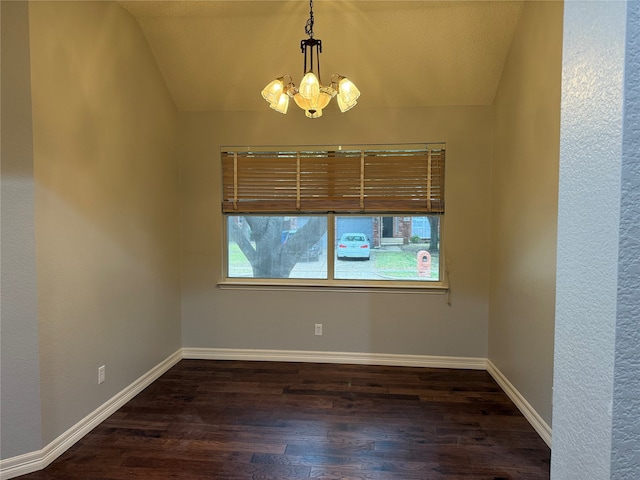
(34, 461)
(536, 421)
(469, 363)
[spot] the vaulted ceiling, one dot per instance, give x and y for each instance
(218, 55)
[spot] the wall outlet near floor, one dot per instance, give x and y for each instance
(101, 374)
(319, 329)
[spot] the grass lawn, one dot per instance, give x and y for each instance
(402, 264)
(392, 265)
(239, 266)
(236, 257)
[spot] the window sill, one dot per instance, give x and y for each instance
(335, 286)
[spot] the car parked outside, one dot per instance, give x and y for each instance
(354, 245)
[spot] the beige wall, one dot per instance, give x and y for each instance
(19, 363)
(106, 200)
(524, 206)
(421, 324)
(106, 145)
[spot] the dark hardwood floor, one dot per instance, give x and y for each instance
(233, 420)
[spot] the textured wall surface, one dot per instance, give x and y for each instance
(19, 365)
(588, 219)
(625, 463)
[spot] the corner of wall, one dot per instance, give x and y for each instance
(20, 389)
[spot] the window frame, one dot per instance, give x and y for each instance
(331, 283)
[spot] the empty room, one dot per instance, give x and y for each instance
(339, 239)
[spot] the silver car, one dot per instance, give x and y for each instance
(354, 245)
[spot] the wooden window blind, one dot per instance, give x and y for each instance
(344, 181)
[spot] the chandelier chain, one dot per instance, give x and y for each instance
(308, 28)
(311, 96)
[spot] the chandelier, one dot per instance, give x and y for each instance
(311, 96)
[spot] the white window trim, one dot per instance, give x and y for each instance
(339, 285)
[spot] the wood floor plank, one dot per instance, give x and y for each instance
(236, 420)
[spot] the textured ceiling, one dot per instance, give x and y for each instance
(218, 55)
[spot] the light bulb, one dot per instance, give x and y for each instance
(310, 86)
(282, 104)
(347, 90)
(272, 91)
(345, 106)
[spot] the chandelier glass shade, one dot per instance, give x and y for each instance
(311, 96)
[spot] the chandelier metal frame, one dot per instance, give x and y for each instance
(311, 96)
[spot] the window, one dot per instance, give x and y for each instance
(322, 216)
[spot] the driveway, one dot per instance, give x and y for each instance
(351, 269)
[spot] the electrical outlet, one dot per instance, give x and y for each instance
(319, 329)
(101, 374)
